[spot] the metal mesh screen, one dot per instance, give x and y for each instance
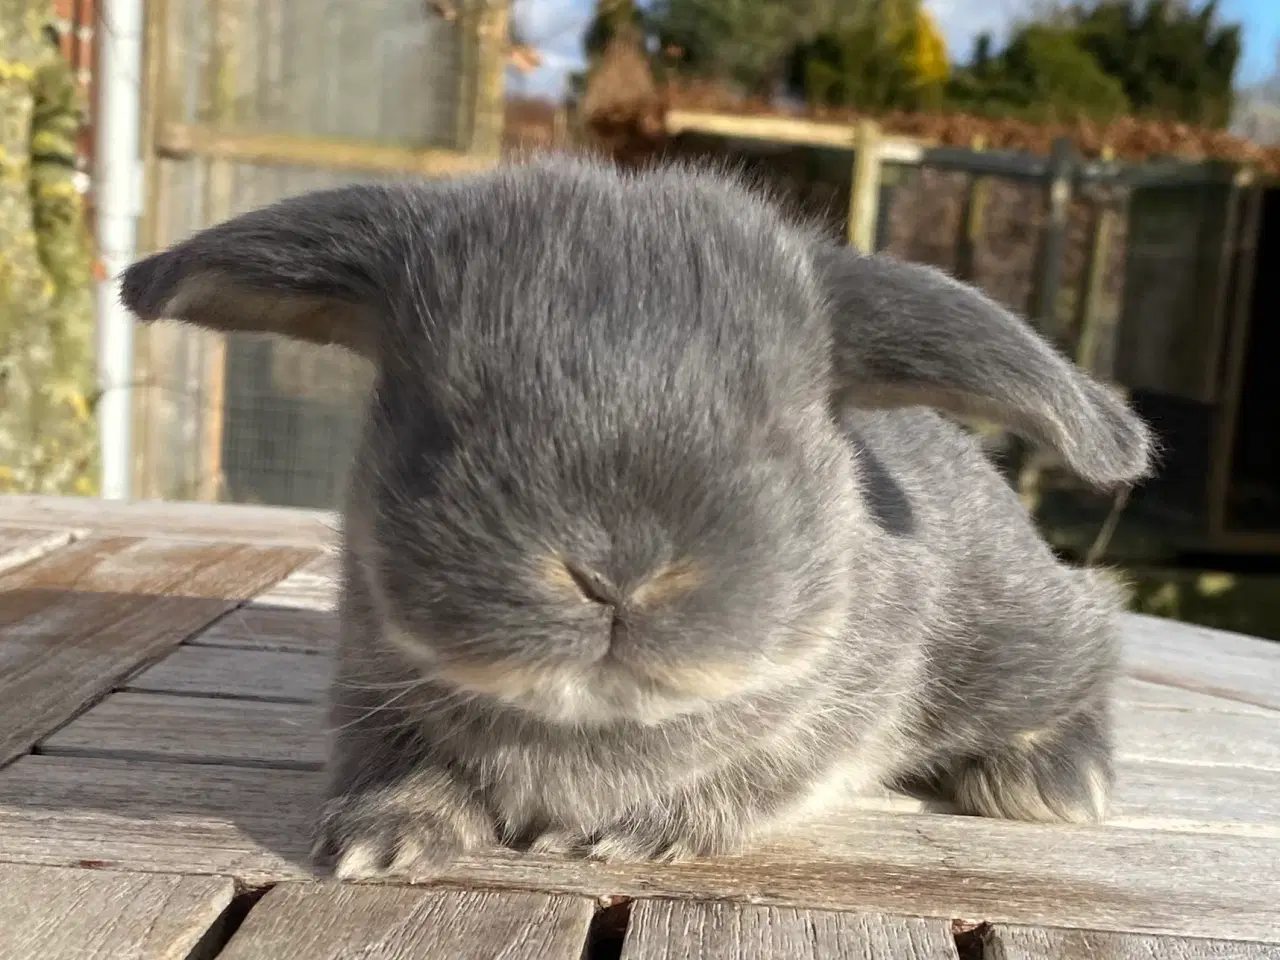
(259, 419)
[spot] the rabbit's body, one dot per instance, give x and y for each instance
(956, 682)
(650, 545)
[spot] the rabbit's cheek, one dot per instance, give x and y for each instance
(716, 680)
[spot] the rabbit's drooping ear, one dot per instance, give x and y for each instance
(315, 267)
(909, 335)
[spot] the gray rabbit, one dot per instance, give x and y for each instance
(652, 543)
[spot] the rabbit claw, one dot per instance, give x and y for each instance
(1061, 775)
(386, 832)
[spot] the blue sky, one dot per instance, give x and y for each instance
(556, 27)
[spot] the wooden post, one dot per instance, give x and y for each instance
(492, 28)
(1245, 243)
(219, 92)
(864, 199)
(1089, 303)
(971, 223)
(1053, 238)
(151, 235)
(467, 67)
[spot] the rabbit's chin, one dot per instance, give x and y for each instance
(602, 692)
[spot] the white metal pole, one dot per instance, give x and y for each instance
(117, 194)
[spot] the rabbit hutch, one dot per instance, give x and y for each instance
(1157, 275)
(250, 101)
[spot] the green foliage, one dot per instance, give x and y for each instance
(746, 42)
(1172, 60)
(48, 439)
(1168, 59)
(890, 57)
(1043, 71)
(1156, 58)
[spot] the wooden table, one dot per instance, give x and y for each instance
(161, 673)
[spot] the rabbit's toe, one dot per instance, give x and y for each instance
(608, 847)
(1061, 775)
(376, 834)
(629, 844)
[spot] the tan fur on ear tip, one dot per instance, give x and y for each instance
(216, 302)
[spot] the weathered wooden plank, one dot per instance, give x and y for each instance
(333, 922)
(179, 520)
(195, 730)
(1215, 799)
(1031, 943)
(1198, 739)
(786, 130)
(1141, 693)
(246, 674)
(293, 150)
(1208, 661)
(297, 615)
(255, 824)
(75, 623)
(56, 914)
(313, 587)
(277, 629)
(718, 930)
(18, 546)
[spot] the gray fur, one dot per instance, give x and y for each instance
(649, 545)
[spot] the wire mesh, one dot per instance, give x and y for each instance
(254, 418)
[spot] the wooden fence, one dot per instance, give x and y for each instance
(1173, 330)
(248, 101)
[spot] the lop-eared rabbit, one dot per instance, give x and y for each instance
(659, 536)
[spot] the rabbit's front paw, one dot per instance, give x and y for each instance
(394, 830)
(1061, 774)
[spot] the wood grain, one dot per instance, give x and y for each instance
(1158, 696)
(313, 586)
(55, 914)
(297, 615)
(1197, 739)
(1216, 799)
(334, 922)
(82, 619)
(22, 546)
(180, 520)
(1029, 943)
(1207, 661)
(195, 730)
(278, 629)
(255, 824)
(246, 673)
(718, 930)
(286, 729)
